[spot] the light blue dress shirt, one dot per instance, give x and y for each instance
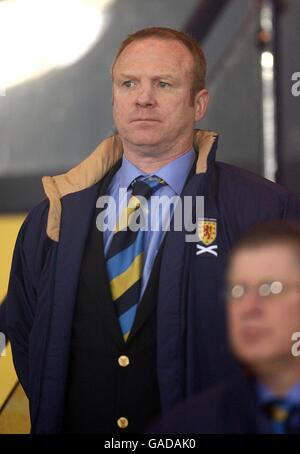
(265, 396)
(174, 174)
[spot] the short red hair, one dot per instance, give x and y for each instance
(171, 34)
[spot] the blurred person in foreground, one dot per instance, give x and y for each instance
(109, 329)
(263, 314)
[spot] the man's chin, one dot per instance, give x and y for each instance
(256, 358)
(143, 141)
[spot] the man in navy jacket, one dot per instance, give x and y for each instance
(79, 374)
(263, 312)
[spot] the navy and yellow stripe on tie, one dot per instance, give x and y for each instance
(121, 283)
(125, 256)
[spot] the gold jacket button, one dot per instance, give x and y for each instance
(123, 361)
(122, 422)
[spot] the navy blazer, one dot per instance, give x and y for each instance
(192, 343)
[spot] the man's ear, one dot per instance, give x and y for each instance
(112, 95)
(200, 103)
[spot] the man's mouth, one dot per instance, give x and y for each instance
(144, 119)
(253, 333)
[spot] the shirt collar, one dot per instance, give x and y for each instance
(128, 172)
(265, 395)
(174, 173)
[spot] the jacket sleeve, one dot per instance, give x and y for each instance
(21, 299)
(2, 317)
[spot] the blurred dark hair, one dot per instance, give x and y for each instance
(268, 233)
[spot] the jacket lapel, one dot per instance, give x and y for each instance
(95, 273)
(78, 211)
(173, 296)
(240, 408)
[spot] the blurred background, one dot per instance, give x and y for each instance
(55, 101)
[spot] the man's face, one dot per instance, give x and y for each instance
(152, 105)
(260, 328)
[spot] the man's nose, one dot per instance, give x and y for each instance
(146, 96)
(251, 301)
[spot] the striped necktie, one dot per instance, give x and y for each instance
(124, 260)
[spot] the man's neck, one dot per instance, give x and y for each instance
(278, 376)
(149, 161)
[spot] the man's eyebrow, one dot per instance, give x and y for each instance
(156, 77)
(127, 76)
(165, 76)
